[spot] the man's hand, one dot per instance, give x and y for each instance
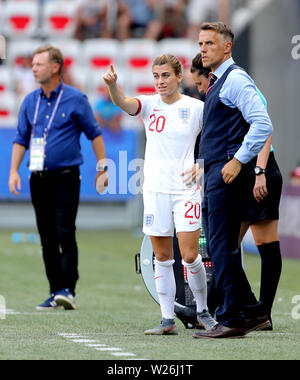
(231, 170)
(14, 183)
(101, 181)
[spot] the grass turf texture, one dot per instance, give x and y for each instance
(114, 308)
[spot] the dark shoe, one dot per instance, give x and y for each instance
(49, 304)
(221, 331)
(65, 298)
(257, 324)
(268, 328)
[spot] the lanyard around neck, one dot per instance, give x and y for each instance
(37, 106)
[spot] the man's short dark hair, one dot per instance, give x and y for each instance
(197, 67)
(220, 28)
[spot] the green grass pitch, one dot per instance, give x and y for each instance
(114, 308)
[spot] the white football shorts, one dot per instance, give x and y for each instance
(165, 212)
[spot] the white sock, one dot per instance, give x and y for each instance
(196, 276)
(165, 287)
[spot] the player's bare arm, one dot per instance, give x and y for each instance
(126, 103)
(260, 190)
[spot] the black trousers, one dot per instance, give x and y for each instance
(55, 198)
(222, 216)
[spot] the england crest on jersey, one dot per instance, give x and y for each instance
(184, 114)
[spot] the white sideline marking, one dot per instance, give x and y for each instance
(96, 345)
(282, 333)
(108, 349)
(123, 354)
(11, 312)
(92, 343)
(67, 335)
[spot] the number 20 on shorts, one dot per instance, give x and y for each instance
(192, 210)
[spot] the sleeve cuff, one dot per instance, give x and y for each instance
(244, 155)
(139, 109)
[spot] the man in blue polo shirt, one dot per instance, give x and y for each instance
(51, 120)
(236, 126)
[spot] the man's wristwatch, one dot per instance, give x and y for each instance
(258, 170)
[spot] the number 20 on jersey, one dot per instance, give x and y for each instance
(157, 124)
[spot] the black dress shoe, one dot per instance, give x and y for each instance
(221, 331)
(257, 324)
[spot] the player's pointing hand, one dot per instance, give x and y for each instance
(110, 77)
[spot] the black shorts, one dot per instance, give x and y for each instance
(268, 208)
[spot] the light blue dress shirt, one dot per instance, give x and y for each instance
(239, 91)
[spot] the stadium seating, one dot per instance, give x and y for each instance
(138, 53)
(71, 50)
(20, 21)
(7, 109)
(88, 60)
(5, 80)
(79, 76)
(1, 17)
(96, 83)
(182, 48)
(141, 83)
(17, 50)
(100, 53)
(59, 18)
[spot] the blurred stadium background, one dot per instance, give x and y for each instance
(94, 33)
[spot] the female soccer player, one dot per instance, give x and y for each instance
(172, 122)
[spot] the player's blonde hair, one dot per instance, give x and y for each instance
(169, 59)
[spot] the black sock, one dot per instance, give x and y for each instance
(271, 264)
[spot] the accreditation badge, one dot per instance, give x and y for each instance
(37, 154)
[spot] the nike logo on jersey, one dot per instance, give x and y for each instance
(193, 222)
(155, 110)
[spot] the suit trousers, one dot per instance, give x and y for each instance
(55, 198)
(222, 212)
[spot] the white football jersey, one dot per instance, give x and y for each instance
(171, 131)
